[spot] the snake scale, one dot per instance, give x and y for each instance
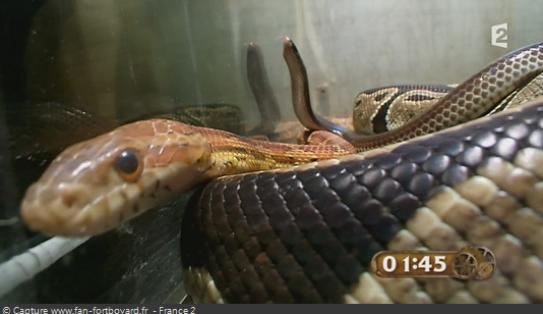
(307, 234)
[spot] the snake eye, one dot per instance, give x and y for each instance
(129, 165)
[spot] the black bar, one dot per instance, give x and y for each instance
(239, 309)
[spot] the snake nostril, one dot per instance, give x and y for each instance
(68, 199)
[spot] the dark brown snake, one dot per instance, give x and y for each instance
(307, 234)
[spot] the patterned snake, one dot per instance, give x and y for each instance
(307, 234)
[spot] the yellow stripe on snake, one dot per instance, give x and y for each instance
(307, 234)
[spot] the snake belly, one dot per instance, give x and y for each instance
(308, 234)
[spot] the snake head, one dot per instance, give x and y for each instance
(95, 185)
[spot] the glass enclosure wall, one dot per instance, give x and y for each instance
(127, 57)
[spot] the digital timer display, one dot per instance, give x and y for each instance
(469, 263)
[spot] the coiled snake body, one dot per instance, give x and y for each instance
(307, 234)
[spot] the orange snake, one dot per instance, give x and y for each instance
(88, 190)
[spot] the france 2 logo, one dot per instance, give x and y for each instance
(498, 35)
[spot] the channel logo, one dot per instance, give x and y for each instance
(498, 35)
